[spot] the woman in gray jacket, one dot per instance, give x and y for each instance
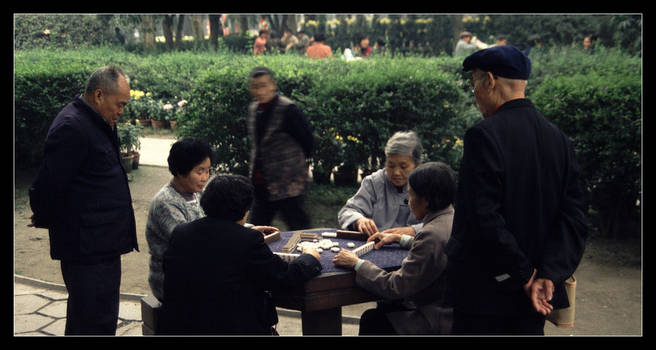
(414, 294)
(381, 203)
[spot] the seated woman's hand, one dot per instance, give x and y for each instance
(266, 230)
(345, 258)
(382, 238)
(407, 230)
(366, 225)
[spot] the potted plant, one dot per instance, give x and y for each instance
(172, 118)
(140, 106)
(159, 114)
(129, 144)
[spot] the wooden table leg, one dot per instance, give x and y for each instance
(322, 322)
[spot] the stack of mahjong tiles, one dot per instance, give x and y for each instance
(302, 240)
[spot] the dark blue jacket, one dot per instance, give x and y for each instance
(81, 193)
(216, 274)
(519, 206)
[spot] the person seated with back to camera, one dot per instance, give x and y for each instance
(177, 202)
(218, 274)
(414, 295)
(381, 203)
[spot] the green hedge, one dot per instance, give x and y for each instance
(42, 89)
(601, 110)
(355, 106)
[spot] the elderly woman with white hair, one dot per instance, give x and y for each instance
(381, 203)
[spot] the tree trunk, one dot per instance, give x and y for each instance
(167, 28)
(148, 29)
(216, 30)
(178, 31)
(197, 26)
(291, 23)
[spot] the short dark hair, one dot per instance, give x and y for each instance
(260, 71)
(319, 37)
(186, 154)
(227, 197)
(436, 183)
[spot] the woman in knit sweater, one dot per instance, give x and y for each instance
(179, 202)
(175, 203)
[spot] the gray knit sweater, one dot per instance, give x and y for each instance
(167, 209)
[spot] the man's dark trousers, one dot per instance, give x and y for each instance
(93, 296)
(292, 210)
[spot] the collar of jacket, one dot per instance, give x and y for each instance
(266, 106)
(95, 116)
(432, 216)
(516, 103)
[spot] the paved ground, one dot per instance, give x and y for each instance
(40, 310)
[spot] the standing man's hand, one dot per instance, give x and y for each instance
(540, 292)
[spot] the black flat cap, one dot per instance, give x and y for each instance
(505, 61)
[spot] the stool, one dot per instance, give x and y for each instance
(150, 308)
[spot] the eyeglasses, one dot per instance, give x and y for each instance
(473, 82)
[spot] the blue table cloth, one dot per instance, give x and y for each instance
(389, 257)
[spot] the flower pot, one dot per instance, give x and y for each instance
(135, 161)
(144, 122)
(127, 161)
(158, 124)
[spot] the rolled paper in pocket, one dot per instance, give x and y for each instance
(565, 317)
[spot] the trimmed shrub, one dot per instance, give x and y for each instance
(353, 108)
(601, 112)
(41, 89)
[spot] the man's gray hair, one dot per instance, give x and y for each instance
(106, 79)
(405, 143)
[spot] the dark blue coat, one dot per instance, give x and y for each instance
(81, 193)
(216, 273)
(519, 206)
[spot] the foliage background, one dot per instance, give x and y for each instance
(596, 99)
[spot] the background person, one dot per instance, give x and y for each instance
(81, 195)
(362, 49)
(381, 202)
(468, 44)
(319, 49)
(218, 272)
(414, 294)
(282, 142)
(288, 40)
(519, 228)
(259, 46)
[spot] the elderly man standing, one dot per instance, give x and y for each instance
(81, 195)
(519, 227)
